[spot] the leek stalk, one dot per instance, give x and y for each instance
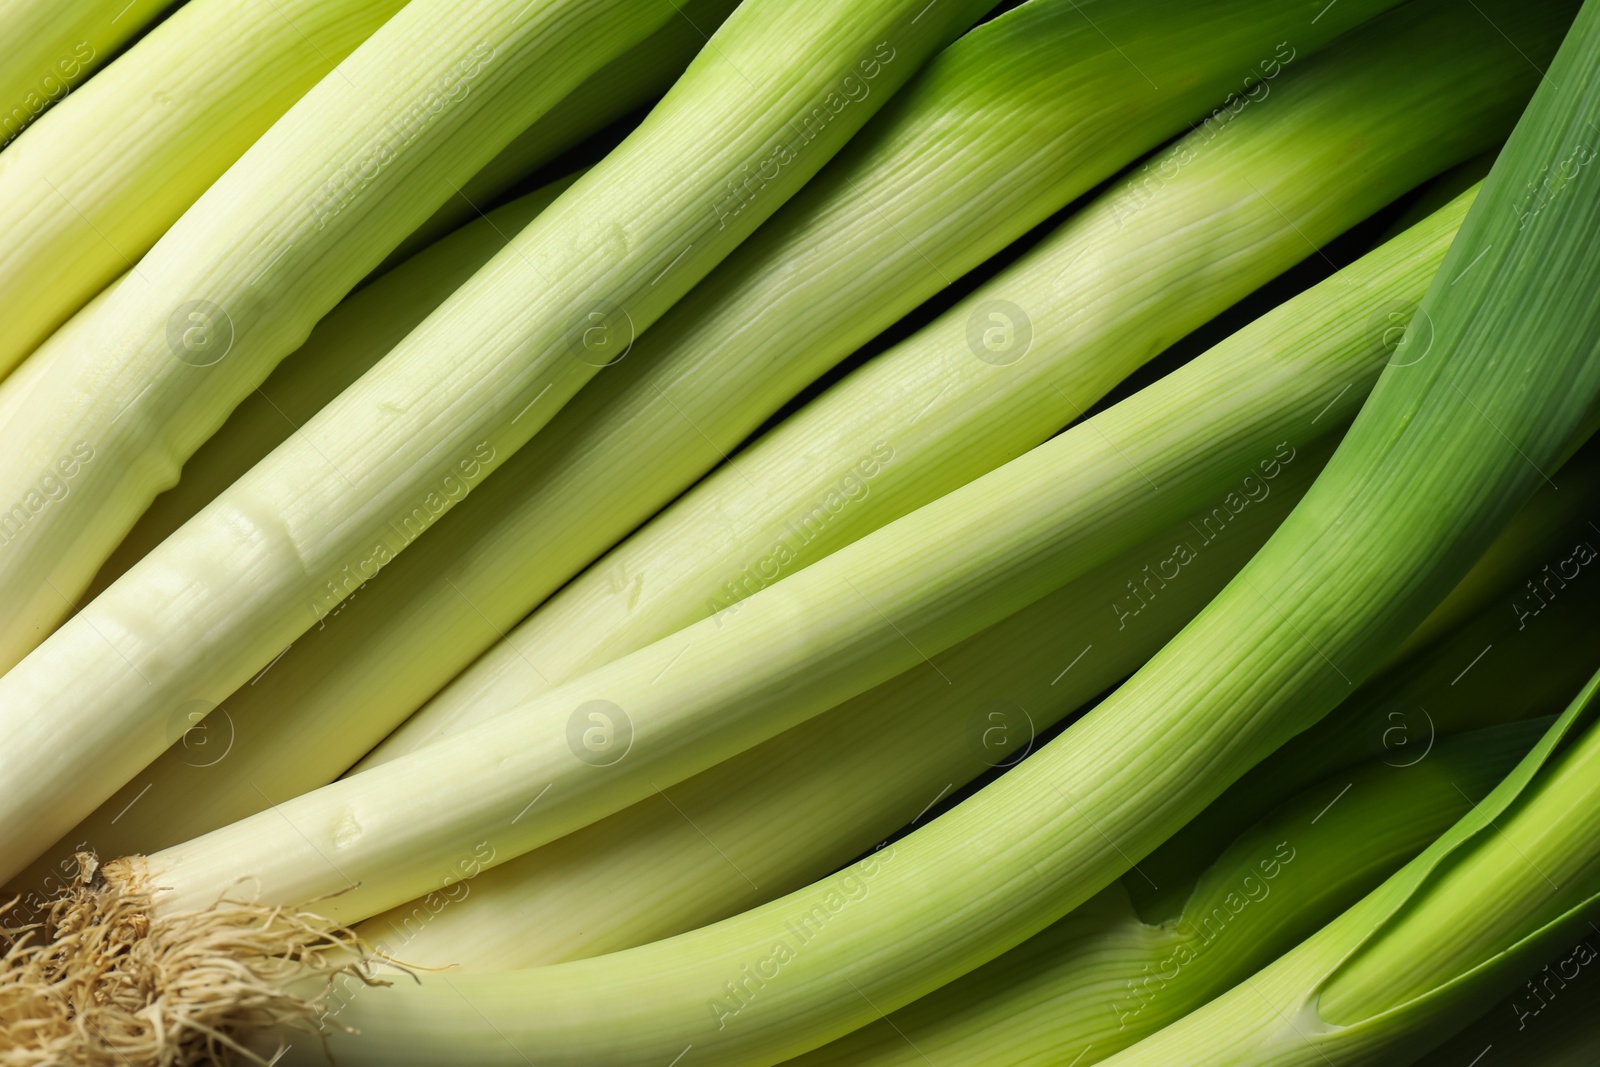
(238, 281)
(638, 77)
(1548, 1021)
(851, 621)
(743, 342)
(789, 811)
(52, 47)
(1444, 451)
(803, 804)
(269, 750)
(1045, 1001)
(1233, 207)
(373, 470)
(89, 188)
(342, 347)
(1512, 883)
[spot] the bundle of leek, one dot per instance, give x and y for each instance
(633, 438)
(355, 485)
(854, 619)
(1444, 451)
(944, 542)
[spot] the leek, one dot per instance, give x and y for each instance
(342, 347)
(372, 470)
(1234, 208)
(637, 77)
(743, 342)
(1548, 1021)
(848, 622)
(266, 747)
(1443, 452)
(52, 47)
(1045, 1001)
(88, 190)
(16, 386)
(237, 282)
(1449, 683)
(1510, 884)
(793, 809)
(789, 811)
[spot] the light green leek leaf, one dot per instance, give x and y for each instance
(934, 176)
(1443, 453)
(1045, 1001)
(637, 77)
(1464, 678)
(1221, 212)
(1507, 886)
(51, 47)
(370, 473)
(799, 806)
(88, 189)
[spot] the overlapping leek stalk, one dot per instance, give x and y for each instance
(1510, 885)
(1228, 208)
(16, 386)
(803, 804)
(52, 47)
(88, 189)
(1045, 1001)
(342, 347)
(743, 342)
(848, 622)
(1448, 446)
(791, 810)
(373, 470)
(1525, 611)
(239, 280)
(637, 77)
(1549, 1021)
